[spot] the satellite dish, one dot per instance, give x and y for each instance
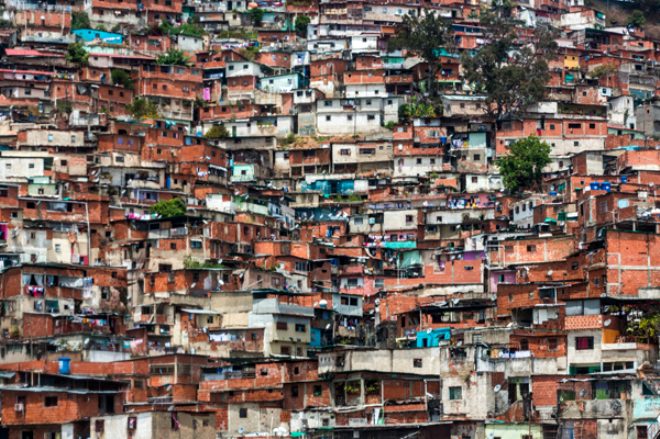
(497, 388)
(607, 322)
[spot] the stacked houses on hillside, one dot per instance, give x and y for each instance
(218, 222)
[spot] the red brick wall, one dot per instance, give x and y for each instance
(37, 325)
(544, 390)
(69, 408)
(627, 253)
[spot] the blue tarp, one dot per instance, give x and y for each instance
(431, 338)
(89, 35)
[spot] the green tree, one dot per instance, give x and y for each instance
(649, 7)
(142, 108)
(637, 19)
(301, 23)
(187, 29)
(64, 107)
(523, 167)
(76, 53)
(510, 70)
(249, 52)
(256, 16)
(173, 57)
(425, 36)
(417, 109)
(191, 30)
(217, 132)
(121, 77)
(603, 70)
(645, 328)
(80, 20)
(169, 208)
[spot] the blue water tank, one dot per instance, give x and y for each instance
(606, 186)
(65, 365)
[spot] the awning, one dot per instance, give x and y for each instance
(206, 312)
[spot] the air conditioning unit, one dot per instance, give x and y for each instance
(19, 407)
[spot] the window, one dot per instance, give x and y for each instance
(552, 344)
(50, 401)
(531, 248)
(524, 344)
(328, 118)
(318, 390)
(476, 157)
(294, 391)
(642, 432)
(417, 362)
(301, 327)
(161, 369)
(281, 326)
(371, 117)
(455, 393)
(242, 412)
(584, 343)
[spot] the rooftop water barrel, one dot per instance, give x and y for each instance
(64, 365)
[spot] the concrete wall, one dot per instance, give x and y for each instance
(384, 360)
(258, 420)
